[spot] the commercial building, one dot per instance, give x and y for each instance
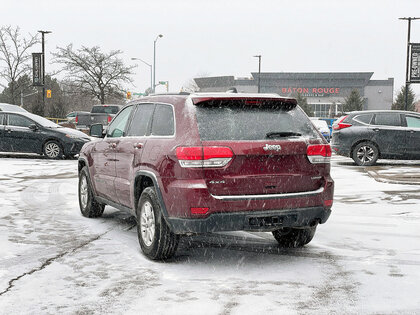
(325, 91)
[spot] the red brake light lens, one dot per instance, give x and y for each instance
(199, 210)
(340, 125)
(109, 119)
(328, 203)
(189, 153)
(217, 152)
(319, 153)
(204, 156)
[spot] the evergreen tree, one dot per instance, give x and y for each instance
(11, 94)
(353, 102)
(303, 103)
(399, 103)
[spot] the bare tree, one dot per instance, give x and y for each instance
(96, 73)
(14, 58)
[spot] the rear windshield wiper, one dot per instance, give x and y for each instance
(280, 134)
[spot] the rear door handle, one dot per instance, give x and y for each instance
(112, 145)
(411, 131)
(138, 145)
(375, 129)
(9, 130)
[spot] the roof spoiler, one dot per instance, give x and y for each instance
(283, 103)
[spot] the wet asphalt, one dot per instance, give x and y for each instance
(54, 260)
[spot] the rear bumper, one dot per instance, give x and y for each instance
(340, 150)
(251, 220)
(340, 144)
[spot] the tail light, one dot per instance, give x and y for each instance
(76, 120)
(109, 119)
(204, 156)
(199, 210)
(328, 203)
(319, 153)
(340, 125)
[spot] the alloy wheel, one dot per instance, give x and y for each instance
(147, 223)
(365, 154)
(52, 150)
(83, 192)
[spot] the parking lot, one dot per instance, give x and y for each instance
(365, 259)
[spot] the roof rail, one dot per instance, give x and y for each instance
(170, 93)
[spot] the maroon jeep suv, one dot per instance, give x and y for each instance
(198, 163)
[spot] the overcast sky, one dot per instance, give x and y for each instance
(216, 37)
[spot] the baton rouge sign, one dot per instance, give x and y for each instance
(305, 91)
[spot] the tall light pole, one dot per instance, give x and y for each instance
(407, 73)
(43, 69)
(151, 72)
(154, 62)
(259, 72)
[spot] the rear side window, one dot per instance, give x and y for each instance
(364, 118)
(163, 121)
(388, 119)
(251, 122)
(19, 121)
(140, 123)
(1, 119)
(413, 122)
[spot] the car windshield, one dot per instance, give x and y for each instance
(320, 124)
(43, 121)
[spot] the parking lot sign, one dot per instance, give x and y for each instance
(415, 63)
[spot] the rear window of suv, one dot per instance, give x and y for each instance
(363, 118)
(245, 122)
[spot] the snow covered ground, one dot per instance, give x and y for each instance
(365, 259)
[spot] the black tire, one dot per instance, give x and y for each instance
(89, 207)
(156, 239)
(294, 237)
(52, 150)
(365, 154)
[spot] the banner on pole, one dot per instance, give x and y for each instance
(37, 74)
(415, 63)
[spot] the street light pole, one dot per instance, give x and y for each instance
(154, 62)
(151, 71)
(43, 70)
(407, 72)
(259, 72)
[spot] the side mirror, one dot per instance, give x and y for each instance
(33, 127)
(96, 130)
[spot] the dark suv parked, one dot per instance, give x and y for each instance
(367, 136)
(209, 162)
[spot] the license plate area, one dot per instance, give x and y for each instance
(268, 221)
